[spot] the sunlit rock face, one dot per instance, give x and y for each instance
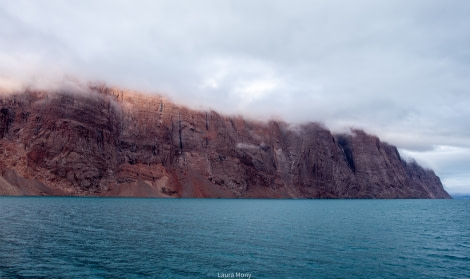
(109, 142)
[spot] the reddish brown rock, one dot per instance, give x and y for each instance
(109, 142)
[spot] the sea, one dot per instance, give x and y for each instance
(72, 237)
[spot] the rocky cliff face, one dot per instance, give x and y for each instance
(108, 142)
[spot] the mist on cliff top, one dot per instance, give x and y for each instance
(397, 69)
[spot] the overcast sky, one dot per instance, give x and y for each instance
(397, 69)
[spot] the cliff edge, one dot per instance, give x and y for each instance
(109, 142)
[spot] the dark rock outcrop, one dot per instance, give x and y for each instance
(109, 142)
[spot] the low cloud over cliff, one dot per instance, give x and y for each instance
(395, 68)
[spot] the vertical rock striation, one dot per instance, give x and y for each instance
(109, 142)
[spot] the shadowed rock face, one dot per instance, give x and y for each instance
(108, 142)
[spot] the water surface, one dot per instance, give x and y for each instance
(209, 238)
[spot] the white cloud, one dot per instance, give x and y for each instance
(255, 90)
(242, 145)
(398, 69)
(451, 163)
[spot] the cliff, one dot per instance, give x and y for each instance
(108, 142)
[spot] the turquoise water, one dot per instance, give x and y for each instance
(200, 238)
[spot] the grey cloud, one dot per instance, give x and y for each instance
(398, 69)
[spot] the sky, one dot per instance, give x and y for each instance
(397, 69)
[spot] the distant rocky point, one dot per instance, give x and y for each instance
(110, 142)
(461, 196)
